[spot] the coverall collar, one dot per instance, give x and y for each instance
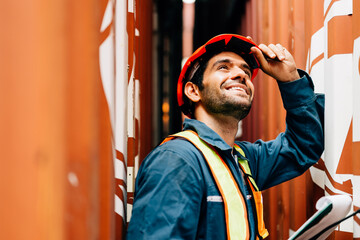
(206, 134)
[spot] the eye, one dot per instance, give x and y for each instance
(247, 72)
(223, 66)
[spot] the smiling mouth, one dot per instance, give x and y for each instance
(237, 89)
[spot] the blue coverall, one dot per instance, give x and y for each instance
(175, 194)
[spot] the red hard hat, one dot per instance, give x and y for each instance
(224, 42)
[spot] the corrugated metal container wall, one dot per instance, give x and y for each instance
(125, 63)
(74, 86)
(325, 41)
(56, 151)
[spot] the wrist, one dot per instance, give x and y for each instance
(295, 76)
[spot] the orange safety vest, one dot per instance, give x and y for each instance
(237, 224)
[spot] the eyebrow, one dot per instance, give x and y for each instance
(226, 60)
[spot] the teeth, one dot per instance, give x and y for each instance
(237, 88)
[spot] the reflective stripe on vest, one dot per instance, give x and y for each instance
(234, 204)
(263, 233)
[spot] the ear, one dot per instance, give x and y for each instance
(192, 91)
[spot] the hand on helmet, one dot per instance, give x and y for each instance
(277, 62)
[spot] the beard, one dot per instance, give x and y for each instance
(222, 104)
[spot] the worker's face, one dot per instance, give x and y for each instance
(228, 89)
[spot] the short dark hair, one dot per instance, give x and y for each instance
(188, 107)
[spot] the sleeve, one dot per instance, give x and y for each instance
(302, 143)
(168, 195)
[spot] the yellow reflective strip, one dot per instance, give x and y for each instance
(256, 193)
(243, 162)
(238, 148)
(235, 210)
(245, 166)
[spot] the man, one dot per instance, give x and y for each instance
(200, 183)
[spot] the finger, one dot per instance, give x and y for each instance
(259, 54)
(250, 38)
(278, 50)
(267, 51)
(281, 47)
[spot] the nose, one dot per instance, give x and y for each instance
(238, 74)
